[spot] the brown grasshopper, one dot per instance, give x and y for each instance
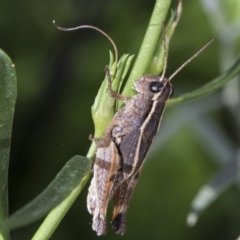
(124, 147)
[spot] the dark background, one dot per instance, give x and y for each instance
(59, 74)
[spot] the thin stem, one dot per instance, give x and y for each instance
(148, 45)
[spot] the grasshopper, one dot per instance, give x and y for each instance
(124, 146)
(126, 142)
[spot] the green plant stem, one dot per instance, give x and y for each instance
(148, 45)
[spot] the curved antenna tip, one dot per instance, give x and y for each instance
(91, 27)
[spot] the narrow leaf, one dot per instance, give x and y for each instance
(8, 95)
(67, 179)
(210, 87)
(211, 191)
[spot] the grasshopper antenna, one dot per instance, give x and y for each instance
(190, 59)
(92, 27)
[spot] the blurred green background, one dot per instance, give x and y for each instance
(59, 74)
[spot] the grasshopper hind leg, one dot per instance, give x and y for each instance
(121, 201)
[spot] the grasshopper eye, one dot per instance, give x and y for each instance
(155, 87)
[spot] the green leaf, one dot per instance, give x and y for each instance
(73, 173)
(8, 95)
